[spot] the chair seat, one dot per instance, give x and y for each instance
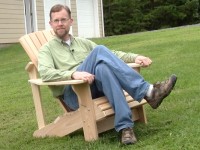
(104, 109)
(105, 114)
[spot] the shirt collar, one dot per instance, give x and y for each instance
(72, 38)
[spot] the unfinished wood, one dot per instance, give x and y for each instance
(40, 82)
(93, 116)
(142, 114)
(87, 111)
(63, 125)
(36, 41)
(32, 47)
(38, 105)
(41, 37)
(108, 122)
(32, 71)
(29, 50)
(48, 35)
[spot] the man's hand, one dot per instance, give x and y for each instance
(144, 61)
(83, 76)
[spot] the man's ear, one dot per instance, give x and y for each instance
(50, 23)
(71, 21)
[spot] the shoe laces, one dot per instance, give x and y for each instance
(159, 84)
(127, 131)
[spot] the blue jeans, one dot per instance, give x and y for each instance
(112, 76)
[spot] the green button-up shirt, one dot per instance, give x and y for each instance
(58, 60)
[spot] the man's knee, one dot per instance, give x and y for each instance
(101, 67)
(100, 48)
(102, 70)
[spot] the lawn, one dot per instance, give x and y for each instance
(173, 126)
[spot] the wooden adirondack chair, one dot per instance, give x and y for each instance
(93, 116)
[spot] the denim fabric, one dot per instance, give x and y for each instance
(112, 76)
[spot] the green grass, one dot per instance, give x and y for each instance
(173, 126)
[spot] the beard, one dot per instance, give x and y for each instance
(62, 33)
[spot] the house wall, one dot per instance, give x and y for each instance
(73, 7)
(74, 16)
(89, 18)
(40, 15)
(11, 20)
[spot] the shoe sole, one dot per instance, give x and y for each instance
(173, 79)
(128, 143)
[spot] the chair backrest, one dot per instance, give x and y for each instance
(33, 41)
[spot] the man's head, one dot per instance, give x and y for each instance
(60, 20)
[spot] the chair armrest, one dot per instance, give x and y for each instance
(134, 65)
(67, 82)
(29, 66)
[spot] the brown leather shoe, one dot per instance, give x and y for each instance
(160, 91)
(128, 136)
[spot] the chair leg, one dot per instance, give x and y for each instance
(86, 107)
(38, 105)
(142, 114)
(62, 126)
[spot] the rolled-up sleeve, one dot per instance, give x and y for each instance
(126, 57)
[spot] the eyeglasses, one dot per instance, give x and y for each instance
(63, 20)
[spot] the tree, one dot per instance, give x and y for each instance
(128, 16)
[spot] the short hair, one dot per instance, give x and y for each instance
(59, 7)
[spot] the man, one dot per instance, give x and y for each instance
(66, 57)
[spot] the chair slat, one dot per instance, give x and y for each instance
(32, 48)
(28, 47)
(47, 35)
(35, 40)
(100, 101)
(41, 37)
(63, 124)
(52, 32)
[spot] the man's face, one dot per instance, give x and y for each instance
(60, 23)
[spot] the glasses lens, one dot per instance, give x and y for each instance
(63, 20)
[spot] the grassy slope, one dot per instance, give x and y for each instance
(175, 125)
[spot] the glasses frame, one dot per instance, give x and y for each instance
(62, 20)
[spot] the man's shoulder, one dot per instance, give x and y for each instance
(48, 44)
(80, 39)
(84, 41)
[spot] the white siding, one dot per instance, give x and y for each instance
(87, 18)
(86, 14)
(40, 15)
(47, 6)
(11, 21)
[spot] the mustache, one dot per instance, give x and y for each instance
(60, 28)
(63, 34)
